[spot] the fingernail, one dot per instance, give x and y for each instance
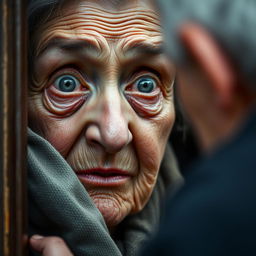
(37, 237)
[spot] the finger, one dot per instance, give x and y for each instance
(50, 246)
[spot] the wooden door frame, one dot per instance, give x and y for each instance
(13, 123)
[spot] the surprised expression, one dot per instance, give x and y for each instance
(101, 94)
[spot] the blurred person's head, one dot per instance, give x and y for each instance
(212, 42)
(101, 93)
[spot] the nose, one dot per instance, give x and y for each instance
(110, 125)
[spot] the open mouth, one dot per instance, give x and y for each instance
(103, 176)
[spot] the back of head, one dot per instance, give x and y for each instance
(231, 22)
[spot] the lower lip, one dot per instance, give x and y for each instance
(92, 179)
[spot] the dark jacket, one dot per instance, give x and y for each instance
(215, 212)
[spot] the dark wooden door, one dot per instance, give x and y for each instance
(13, 83)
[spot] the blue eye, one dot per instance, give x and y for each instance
(146, 85)
(66, 83)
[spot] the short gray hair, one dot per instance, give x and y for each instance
(232, 22)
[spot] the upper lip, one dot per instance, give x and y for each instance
(104, 172)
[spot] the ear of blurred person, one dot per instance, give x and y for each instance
(210, 88)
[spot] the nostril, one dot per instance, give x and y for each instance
(94, 142)
(92, 135)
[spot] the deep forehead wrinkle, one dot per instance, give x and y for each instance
(100, 25)
(109, 24)
(116, 17)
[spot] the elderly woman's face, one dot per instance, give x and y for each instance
(102, 96)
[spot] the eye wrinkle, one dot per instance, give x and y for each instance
(63, 104)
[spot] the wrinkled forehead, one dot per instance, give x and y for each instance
(104, 24)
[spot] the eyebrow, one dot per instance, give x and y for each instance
(144, 48)
(139, 48)
(69, 45)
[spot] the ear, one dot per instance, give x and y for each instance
(211, 59)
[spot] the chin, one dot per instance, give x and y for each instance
(111, 210)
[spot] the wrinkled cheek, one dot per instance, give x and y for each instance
(36, 118)
(34, 114)
(165, 128)
(150, 159)
(55, 131)
(61, 136)
(60, 141)
(144, 187)
(150, 152)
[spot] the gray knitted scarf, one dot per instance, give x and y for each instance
(59, 205)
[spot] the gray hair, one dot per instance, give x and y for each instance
(232, 23)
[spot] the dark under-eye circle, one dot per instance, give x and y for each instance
(146, 84)
(66, 83)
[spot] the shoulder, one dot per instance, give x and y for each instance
(214, 212)
(214, 205)
(206, 219)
